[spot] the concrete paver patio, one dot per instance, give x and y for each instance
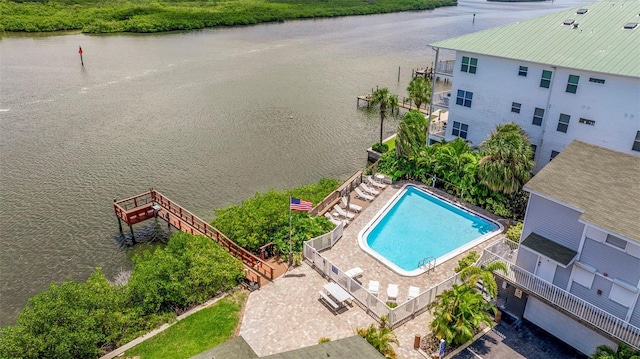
(287, 314)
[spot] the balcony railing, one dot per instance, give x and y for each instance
(442, 99)
(438, 127)
(445, 67)
(579, 308)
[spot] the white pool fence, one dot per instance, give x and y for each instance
(373, 305)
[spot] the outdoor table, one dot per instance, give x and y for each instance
(337, 292)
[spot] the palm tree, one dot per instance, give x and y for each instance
(419, 90)
(412, 135)
(472, 274)
(624, 352)
(456, 163)
(458, 314)
(386, 101)
(380, 338)
(507, 159)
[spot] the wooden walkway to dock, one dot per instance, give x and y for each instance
(153, 204)
(401, 104)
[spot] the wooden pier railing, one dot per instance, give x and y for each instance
(334, 197)
(152, 204)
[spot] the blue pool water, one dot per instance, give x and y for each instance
(418, 225)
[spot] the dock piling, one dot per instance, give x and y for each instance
(133, 238)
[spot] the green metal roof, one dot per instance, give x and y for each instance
(598, 43)
(603, 183)
(549, 248)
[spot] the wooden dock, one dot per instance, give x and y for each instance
(153, 204)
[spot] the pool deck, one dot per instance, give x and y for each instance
(287, 314)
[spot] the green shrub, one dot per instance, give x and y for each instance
(71, 320)
(514, 232)
(264, 218)
(188, 271)
(324, 340)
(380, 147)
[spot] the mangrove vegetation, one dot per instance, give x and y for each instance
(147, 16)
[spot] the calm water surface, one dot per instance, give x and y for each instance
(206, 117)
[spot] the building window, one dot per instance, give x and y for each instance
(636, 142)
(563, 123)
(623, 292)
(587, 121)
(595, 80)
(460, 129)
(583, 274)
(616, 242)
(464, 98)
(469, 64)
(545, 81)
(522, 71)
(515, 107)
(554, 154)
(572, 84)
(538, 114)
(533, 149)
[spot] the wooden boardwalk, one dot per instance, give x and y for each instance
(405, 105)
(153, 204)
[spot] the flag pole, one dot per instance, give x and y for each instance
(290, 251)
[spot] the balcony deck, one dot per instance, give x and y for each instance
(584, 312)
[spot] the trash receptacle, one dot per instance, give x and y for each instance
(416, 342)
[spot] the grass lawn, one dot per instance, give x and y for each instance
(196, 333)
(391, 143)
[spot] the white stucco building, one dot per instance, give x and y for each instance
(571, 75)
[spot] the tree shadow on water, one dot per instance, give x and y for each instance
(154, 233)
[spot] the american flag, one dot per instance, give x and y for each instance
(297, 204)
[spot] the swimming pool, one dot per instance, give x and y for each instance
(415, 225)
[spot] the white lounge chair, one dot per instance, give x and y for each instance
(374, 287)
(354, 272)
(362, 195)
(334, 220)
(392, 293)
(369, 189)
(375, 183)
(351, 206)
(414, 292)
(343, 213)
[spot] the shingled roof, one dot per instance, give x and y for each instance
(602, 183)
